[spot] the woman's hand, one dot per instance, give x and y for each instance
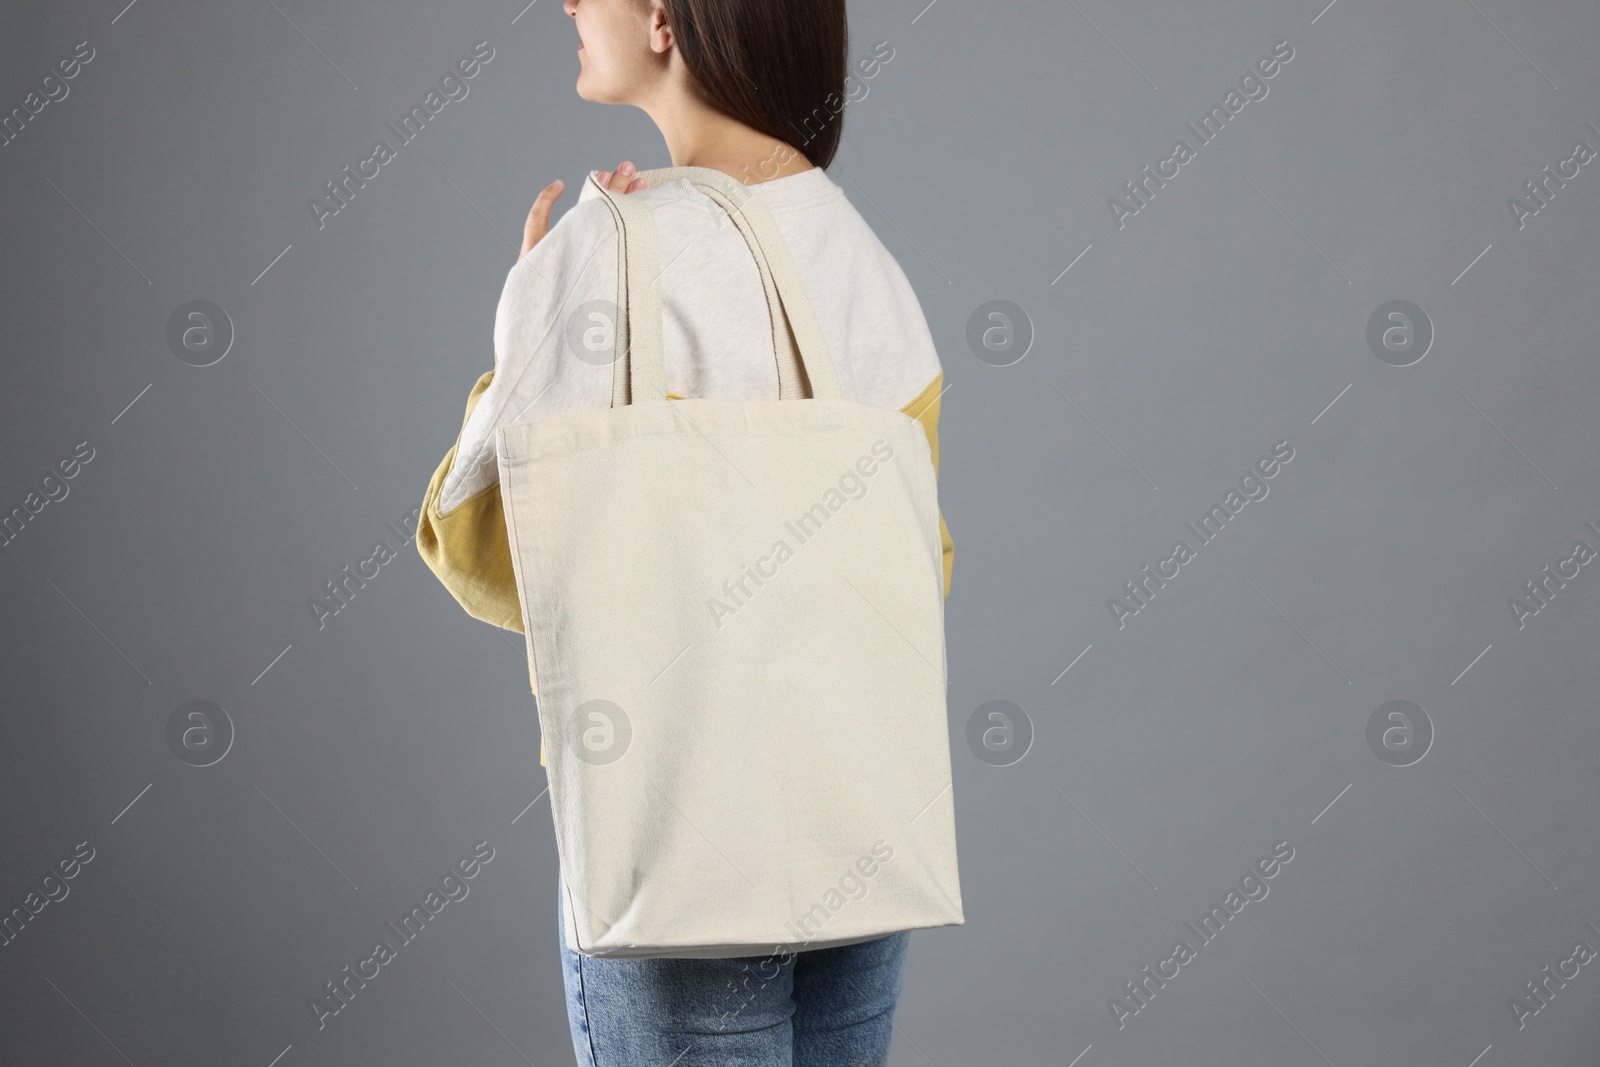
(621, 180)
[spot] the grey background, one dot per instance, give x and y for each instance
(1228, 315)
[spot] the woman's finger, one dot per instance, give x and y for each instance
(538, 222)
(621, 179)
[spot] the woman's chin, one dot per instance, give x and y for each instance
(588, 90)
(589, 86)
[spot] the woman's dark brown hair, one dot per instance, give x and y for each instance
(777, 66)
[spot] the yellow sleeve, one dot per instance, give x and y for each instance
(925, 409)
(468, 549)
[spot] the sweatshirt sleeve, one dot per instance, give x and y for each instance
(468, 549)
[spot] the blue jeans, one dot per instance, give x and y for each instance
(826, 1007)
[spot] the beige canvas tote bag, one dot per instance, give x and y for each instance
(735, 623)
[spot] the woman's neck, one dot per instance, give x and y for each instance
(701, 136)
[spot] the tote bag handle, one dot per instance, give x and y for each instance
(797, 338)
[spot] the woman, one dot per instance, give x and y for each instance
(755, 89)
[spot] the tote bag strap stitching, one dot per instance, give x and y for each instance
(619, 360)
(639, 363)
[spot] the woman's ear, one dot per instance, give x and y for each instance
(661, 40)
